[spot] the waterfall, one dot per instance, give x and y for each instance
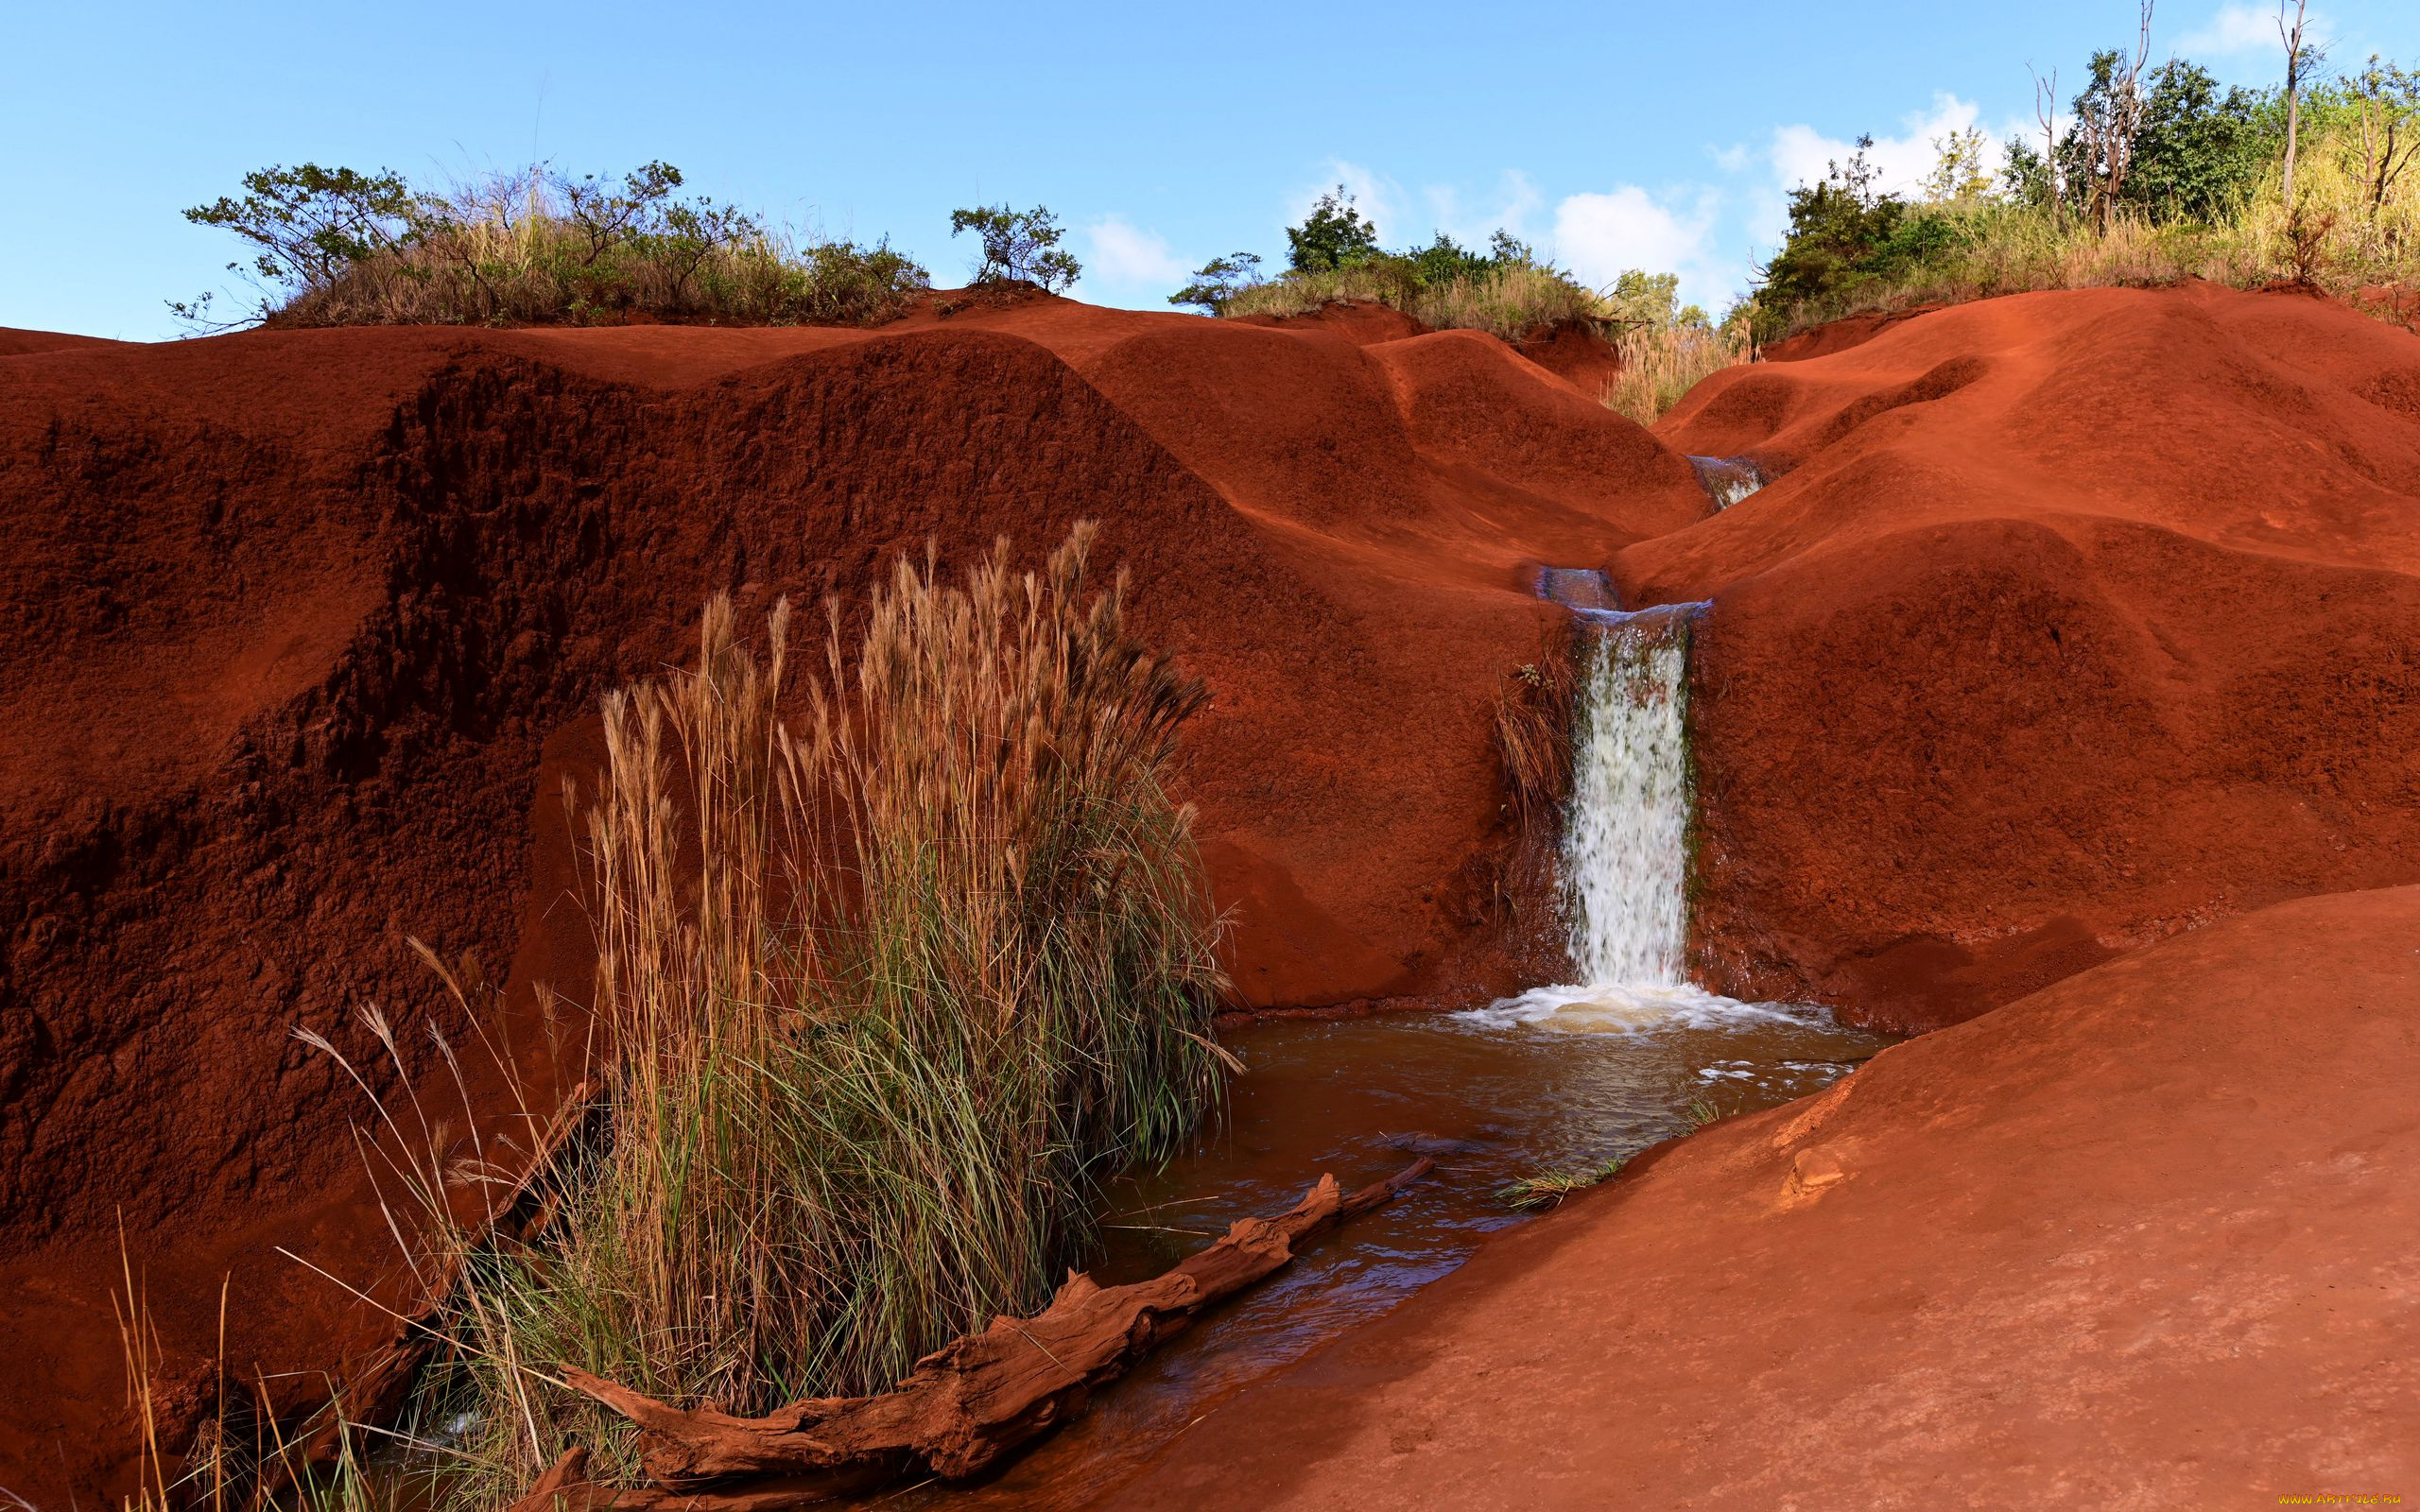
(1624, 861)
(1625, 842)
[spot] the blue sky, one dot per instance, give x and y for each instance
(1612, 135)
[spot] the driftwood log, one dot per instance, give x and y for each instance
(963, 1408)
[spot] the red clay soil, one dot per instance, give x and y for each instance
(299, 630)
(1570, 350)
(2074, 620)
(1573, 351)
(2140, 1240)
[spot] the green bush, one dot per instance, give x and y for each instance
(2200, 196)
(1018, 246)
(1506, 290)
(337, 247)
(1334, 235)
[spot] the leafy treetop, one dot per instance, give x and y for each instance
(1018, 246)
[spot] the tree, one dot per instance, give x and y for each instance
(2197, 153)
(2293, 38)
(1507, 251)
(1019, 247)
(1837, 228)
(2046, 109)
(1957, 176)
(1640, 299)
(1218, 280)
(2109, 112)
(1334, 235)
(312, 223)
(2388, 99)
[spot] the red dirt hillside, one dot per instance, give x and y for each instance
(298, 630)
(2142, 1239)
(2074, 620)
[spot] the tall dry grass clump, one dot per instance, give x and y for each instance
(1662, 363)
(899, 957)
(1534, 713)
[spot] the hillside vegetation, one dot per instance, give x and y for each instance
(2159, 175)
(340, 246)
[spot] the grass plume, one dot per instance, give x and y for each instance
(898, 957)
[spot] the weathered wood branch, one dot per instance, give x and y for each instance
(965, 1407)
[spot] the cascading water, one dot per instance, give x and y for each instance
(1625, 853)
(1728, 479)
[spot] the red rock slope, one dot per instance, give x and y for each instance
(2074, 619)
(292, 621)
(2142, 1239)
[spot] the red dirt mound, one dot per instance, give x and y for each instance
(15, 343)
(2073, 620)
(299, 628)
(1573, 351)
(2141, 1239)
(1363, 321)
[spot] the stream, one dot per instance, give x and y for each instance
(1561, 1079)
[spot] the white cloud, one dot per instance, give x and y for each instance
(1732, 159)
(1598, 235)
(1472, 220)
(1123, 255)
(2239, 28)
(1378, 197)
(1801, 154)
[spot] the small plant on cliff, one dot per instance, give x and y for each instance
(1018, 246)
(1535, 1193)
(899, 957)
(1534, 710)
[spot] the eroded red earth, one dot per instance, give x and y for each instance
(2073, 622)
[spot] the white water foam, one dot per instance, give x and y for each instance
(1624, 860)
(1729, 479)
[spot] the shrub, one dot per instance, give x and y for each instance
(1334, 235)
(1506, 298)
(1018, 246)
(335, 247)
(893, 973)
(1216, 283)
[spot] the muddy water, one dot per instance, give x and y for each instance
(1489, 1097)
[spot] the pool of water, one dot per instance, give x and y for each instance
(1540, 1085)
